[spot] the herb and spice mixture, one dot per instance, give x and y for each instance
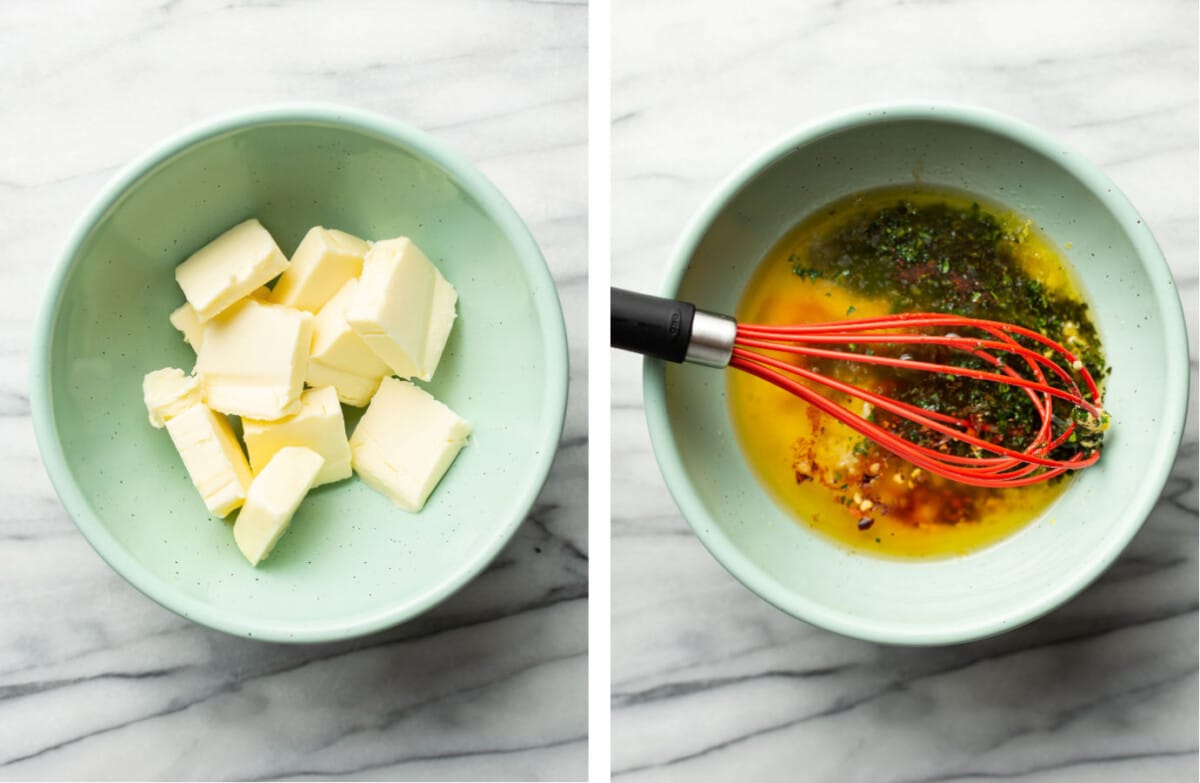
(907, 249)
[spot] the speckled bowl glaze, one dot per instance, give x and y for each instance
(351, 562)
(1136, 308)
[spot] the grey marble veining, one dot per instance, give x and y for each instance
(712, 684)
(98, 681)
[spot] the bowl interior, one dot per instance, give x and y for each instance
(932, 601)
(351, 561)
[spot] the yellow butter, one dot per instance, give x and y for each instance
(212, 456)
(253, 360)
(321, 265)
(405, 443)
(169, 392)
(441, 320)
(230, 267)
(318, 426)
(339, 357)
(403, 308)
(272, 500)
(184, 319)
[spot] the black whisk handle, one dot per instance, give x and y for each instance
(651, 325)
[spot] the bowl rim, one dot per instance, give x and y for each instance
(495, 205)
(1157, 466)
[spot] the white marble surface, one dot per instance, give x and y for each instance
(98, 681)
(711, 684)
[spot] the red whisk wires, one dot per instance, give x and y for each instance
(990, 464)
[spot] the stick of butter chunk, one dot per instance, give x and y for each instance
(168, 392)
(405, 442)
(253, 360)
(339, 357)
(318, 426)
(229, 268)
(403, 308)
(272, 500)
(321, 265)
(213, 457)
(441, 319)
(184, 319)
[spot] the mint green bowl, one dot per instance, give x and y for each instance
(351, 563)
(1136, 307)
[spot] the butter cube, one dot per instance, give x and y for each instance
(168, 392)
(405, 442)
(184, 319)
(212, 456)
(441, 319)
(398, 309)
(321, 265)
(253, 360)
(339, 357)
(272, 500)
(229, 268)
(318, 426)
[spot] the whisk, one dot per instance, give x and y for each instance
(679, 332)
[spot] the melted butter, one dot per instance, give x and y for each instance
(913, 514)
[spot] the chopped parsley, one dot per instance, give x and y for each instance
(943, 258)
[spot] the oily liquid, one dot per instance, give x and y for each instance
(778, 432)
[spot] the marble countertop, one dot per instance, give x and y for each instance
(98, 681)
(712, 684)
